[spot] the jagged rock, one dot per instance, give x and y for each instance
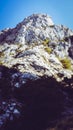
(23, 48)
(36, 74)
(71, 51)
(35, 104)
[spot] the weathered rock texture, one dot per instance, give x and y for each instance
(36, 75)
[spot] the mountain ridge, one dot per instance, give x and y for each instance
(35, 24)
(36, 75)
(38, 40)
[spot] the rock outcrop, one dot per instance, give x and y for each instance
(36, 74)
(38, 46)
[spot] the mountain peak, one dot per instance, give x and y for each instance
(39, 19)
(33, 29)
(36, 75)
(39, 47)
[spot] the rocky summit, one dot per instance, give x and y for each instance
(36, 75)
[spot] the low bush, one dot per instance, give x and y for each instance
(1, 54)
(46, 42)
(48, 49)
(66, 63)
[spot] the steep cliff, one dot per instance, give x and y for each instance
(36, 74)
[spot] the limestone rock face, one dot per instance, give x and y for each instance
(37, 46)
(36, 74)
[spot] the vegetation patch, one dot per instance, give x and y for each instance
(1, 54)
(66, 63)
(48, 49)
(46, 42)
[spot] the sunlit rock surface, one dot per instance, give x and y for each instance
(36, 75)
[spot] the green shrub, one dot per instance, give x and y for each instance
(46, 42)
(48, 49)
(1, 63)
(1, 54)
(66, 63)
(62, 40)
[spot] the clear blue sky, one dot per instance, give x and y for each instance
(14, 11)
